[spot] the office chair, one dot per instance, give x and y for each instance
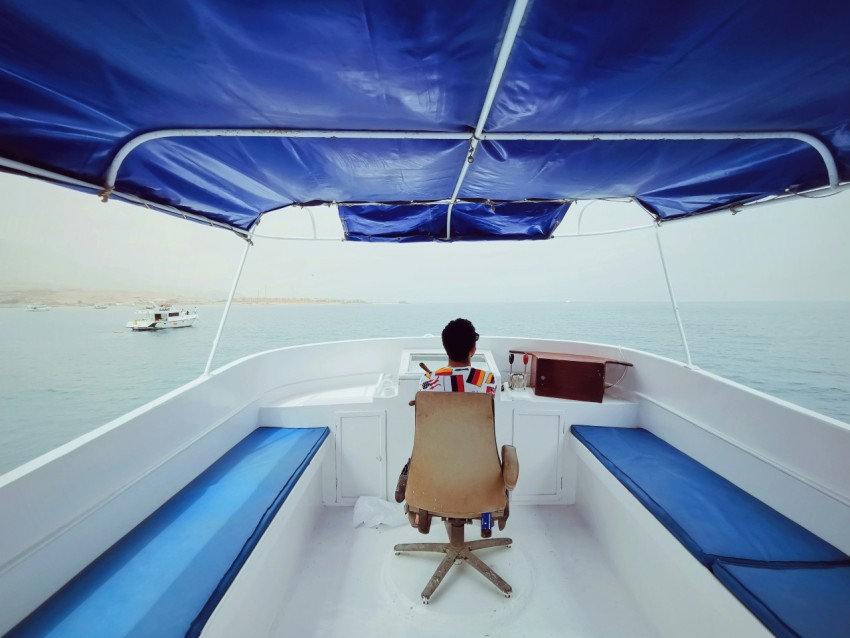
(455, 473)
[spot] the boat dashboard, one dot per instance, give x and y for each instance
(517, 384)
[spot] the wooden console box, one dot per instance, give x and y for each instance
(567, 376)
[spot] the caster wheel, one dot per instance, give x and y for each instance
(507, 595)
(398, 553)
(424, 601)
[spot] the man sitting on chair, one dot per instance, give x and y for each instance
(459, 338)
(456, 472)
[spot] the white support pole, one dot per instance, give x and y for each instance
(672, 297)
(599, 233)
(248, 245)
(514, 22)
(312, 223)
(470, 157)
(581, 214)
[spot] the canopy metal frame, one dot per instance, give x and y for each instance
(518, 11)
(108, 188)
(517, 14)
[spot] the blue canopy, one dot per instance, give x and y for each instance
(404, 114)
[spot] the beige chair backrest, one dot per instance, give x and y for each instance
(455, 469)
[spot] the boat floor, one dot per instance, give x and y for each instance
(351, 583)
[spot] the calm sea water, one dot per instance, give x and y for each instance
(70, 370)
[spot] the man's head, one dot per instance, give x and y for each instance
(459, 339)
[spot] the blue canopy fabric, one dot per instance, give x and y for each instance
(471, 221)
(80, 79)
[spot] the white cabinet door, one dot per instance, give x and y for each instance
(360, 455)
(537, 438)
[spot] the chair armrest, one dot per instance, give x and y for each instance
(510, 466)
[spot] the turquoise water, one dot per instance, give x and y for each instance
(70, 370)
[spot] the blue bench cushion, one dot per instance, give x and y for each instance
(165, 577)
(709, 515)
(810, 602)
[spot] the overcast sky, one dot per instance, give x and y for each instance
(53, 237)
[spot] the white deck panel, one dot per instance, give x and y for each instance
(350, 583)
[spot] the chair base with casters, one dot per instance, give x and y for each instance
(455, 550)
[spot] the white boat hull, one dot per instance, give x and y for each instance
(142, 325)
(162, 317)
(113, 478)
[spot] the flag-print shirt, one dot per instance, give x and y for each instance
(465, 379)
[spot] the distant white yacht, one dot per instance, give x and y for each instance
(100, 306)
(38, 307)
(162, 317)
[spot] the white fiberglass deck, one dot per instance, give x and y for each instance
(351, 583)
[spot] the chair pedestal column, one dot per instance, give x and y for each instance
(455, 550)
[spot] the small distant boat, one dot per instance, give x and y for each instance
(38, 307)
(100, 306)
(161, 318)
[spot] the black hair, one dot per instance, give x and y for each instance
(459, 339)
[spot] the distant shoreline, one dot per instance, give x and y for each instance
(90, 298)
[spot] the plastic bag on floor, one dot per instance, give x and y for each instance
(372, 511)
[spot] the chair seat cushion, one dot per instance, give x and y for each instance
(806, 602)
(710, 516)
(455, 469)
